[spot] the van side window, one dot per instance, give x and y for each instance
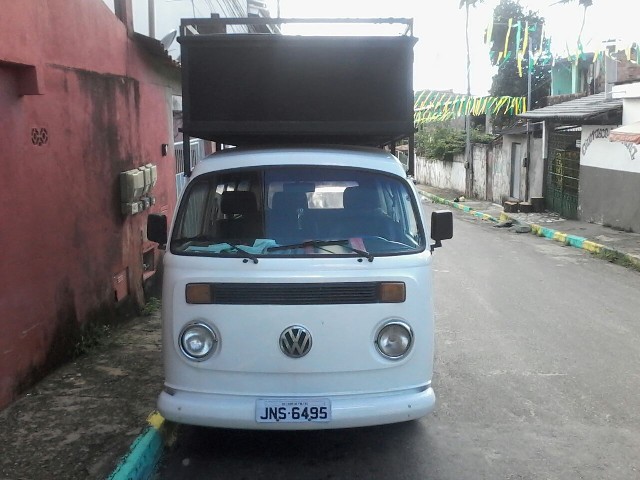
(194, 221)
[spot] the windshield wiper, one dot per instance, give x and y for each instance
(362, 253)
(244, 253)
(323, 243)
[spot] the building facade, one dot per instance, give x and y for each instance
(83, 99)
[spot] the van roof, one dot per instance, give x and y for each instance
(339, 156)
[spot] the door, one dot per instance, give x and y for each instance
(563, 174)
(563, 183)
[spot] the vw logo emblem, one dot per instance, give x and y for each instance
(295, 341)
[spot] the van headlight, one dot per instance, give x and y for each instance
(198, 341)
(394, 340)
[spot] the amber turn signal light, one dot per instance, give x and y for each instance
(199, 293)
(392, 292)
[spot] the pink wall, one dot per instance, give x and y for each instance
(106, 106)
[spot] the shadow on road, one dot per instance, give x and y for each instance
(373, 452)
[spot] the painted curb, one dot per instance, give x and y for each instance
(459, 206)
(564, 238)
(579, 242)
(145, 452)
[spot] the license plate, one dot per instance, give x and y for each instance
(293, 410)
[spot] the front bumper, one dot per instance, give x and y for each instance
(236, 411)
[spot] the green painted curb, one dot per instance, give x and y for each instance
(459, 206)
(144, 454)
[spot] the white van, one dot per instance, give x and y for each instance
(297, 292)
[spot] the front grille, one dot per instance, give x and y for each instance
(295, 293)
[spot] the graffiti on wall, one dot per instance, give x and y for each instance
(633, 149)
(598, 133)
(603, 134)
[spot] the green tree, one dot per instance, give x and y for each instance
(511, 22)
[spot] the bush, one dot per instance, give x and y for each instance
(442, 142)
(151, 307)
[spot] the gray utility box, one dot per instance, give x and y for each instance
(247, 89)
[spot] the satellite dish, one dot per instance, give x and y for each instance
(168, 39)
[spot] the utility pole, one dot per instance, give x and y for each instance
(152, 19)
(467, 148)
(528, 163)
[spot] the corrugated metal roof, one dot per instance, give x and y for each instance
(578, 109)
(155, 48)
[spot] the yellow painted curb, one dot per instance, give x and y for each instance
(560, 237)
(155, 420)
(592, 247)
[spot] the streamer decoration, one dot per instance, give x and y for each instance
(432, 106)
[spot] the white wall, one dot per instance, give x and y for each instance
(442, 174)
(500, 172)
(597, 151)
(480, 171)
(491, 170)
(609, 180)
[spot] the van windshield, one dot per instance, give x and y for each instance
(297, 211)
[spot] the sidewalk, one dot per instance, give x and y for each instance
(611, 245)
(81, 420)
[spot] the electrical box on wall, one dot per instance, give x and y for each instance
(135, 188)
(131, 185)
(154, 174)
(131, 208)
(146, 172)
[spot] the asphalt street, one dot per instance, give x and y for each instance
(538, 348)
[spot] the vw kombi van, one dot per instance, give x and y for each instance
(297, 291)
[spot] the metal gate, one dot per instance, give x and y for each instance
(563, 175)
(197, 154)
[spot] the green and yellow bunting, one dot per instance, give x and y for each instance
(518, 38)
(430, 106)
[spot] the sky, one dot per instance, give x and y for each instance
(440, 54)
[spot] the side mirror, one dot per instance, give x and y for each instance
(441, 227)
(157, 228)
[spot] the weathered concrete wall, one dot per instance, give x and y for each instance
(103, 106)
(442, 174)
(500, 171)
(610, 197)
(480, 159)
(491, 170)
(609, 180)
